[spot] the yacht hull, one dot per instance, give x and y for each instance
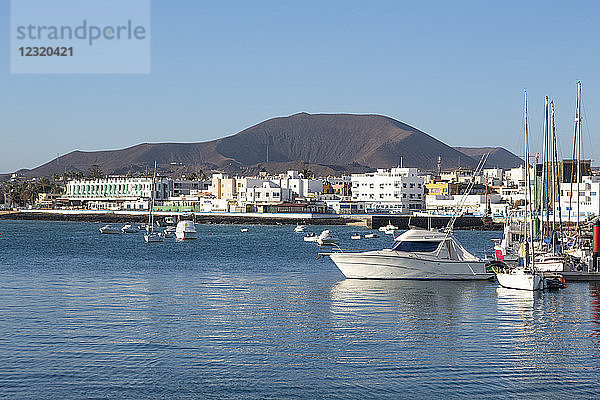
(521, 281)
(376, 265)
(186, 235)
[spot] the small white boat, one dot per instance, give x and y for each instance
(519, 278)
(356, 236)
(109, 229)
(244, 230)
(371, 235)
(389, 229)
(186, 230)
(326, 238)
(299, 228)
(130, 228)
(153, 237)
(310, 237)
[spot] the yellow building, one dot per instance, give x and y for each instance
(442, 188)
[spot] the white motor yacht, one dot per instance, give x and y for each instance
(418, 254)
(356, 236)
(326, 238)
(186, 230)
(371, 235)
(130, 228)
(109, 229)
(299, 228)
(389, 229)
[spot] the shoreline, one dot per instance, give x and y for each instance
(367, 221)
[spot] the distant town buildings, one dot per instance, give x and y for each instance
(388, 191)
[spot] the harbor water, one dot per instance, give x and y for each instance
(256, 315)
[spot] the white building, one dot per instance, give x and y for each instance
(182, 187)
(301, 186)
(493, 176)
(116, 192)
(515, 177)
(589, 198)
(513, 194)
(475, 204)
(265, 192)
(389, 190)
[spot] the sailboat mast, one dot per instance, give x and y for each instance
(153, 190)
(555, 184)
(528, 209)
(544, 202)
(578, 134)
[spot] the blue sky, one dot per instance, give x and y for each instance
(455, 70)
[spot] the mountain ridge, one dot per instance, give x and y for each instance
(333, 143)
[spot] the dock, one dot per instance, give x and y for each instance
(579, 276)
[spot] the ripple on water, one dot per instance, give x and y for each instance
(256, 315)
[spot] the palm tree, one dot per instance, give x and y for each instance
(202, 176)
(306, 173)
(95, 172)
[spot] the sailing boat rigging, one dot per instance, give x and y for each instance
(151, 236)
(526, 276)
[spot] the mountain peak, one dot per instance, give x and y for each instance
(332, 142)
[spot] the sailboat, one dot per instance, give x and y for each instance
(526, 276)
(151, 236)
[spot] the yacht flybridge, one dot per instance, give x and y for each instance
(417, 254)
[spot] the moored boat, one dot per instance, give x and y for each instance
(186, 230)
(109, 229)
(326, 238)
(310, 237)
(419, 254)
(130, 228)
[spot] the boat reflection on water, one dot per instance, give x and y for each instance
(595, 312)
(517, 303)
(415, 299)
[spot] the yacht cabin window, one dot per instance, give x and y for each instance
(422, 246)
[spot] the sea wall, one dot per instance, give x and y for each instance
(370, 221)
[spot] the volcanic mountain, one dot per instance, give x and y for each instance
(324, 143)
(498, 157)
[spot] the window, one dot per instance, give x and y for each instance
(418, 246)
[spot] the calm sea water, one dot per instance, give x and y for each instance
(256, 315)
